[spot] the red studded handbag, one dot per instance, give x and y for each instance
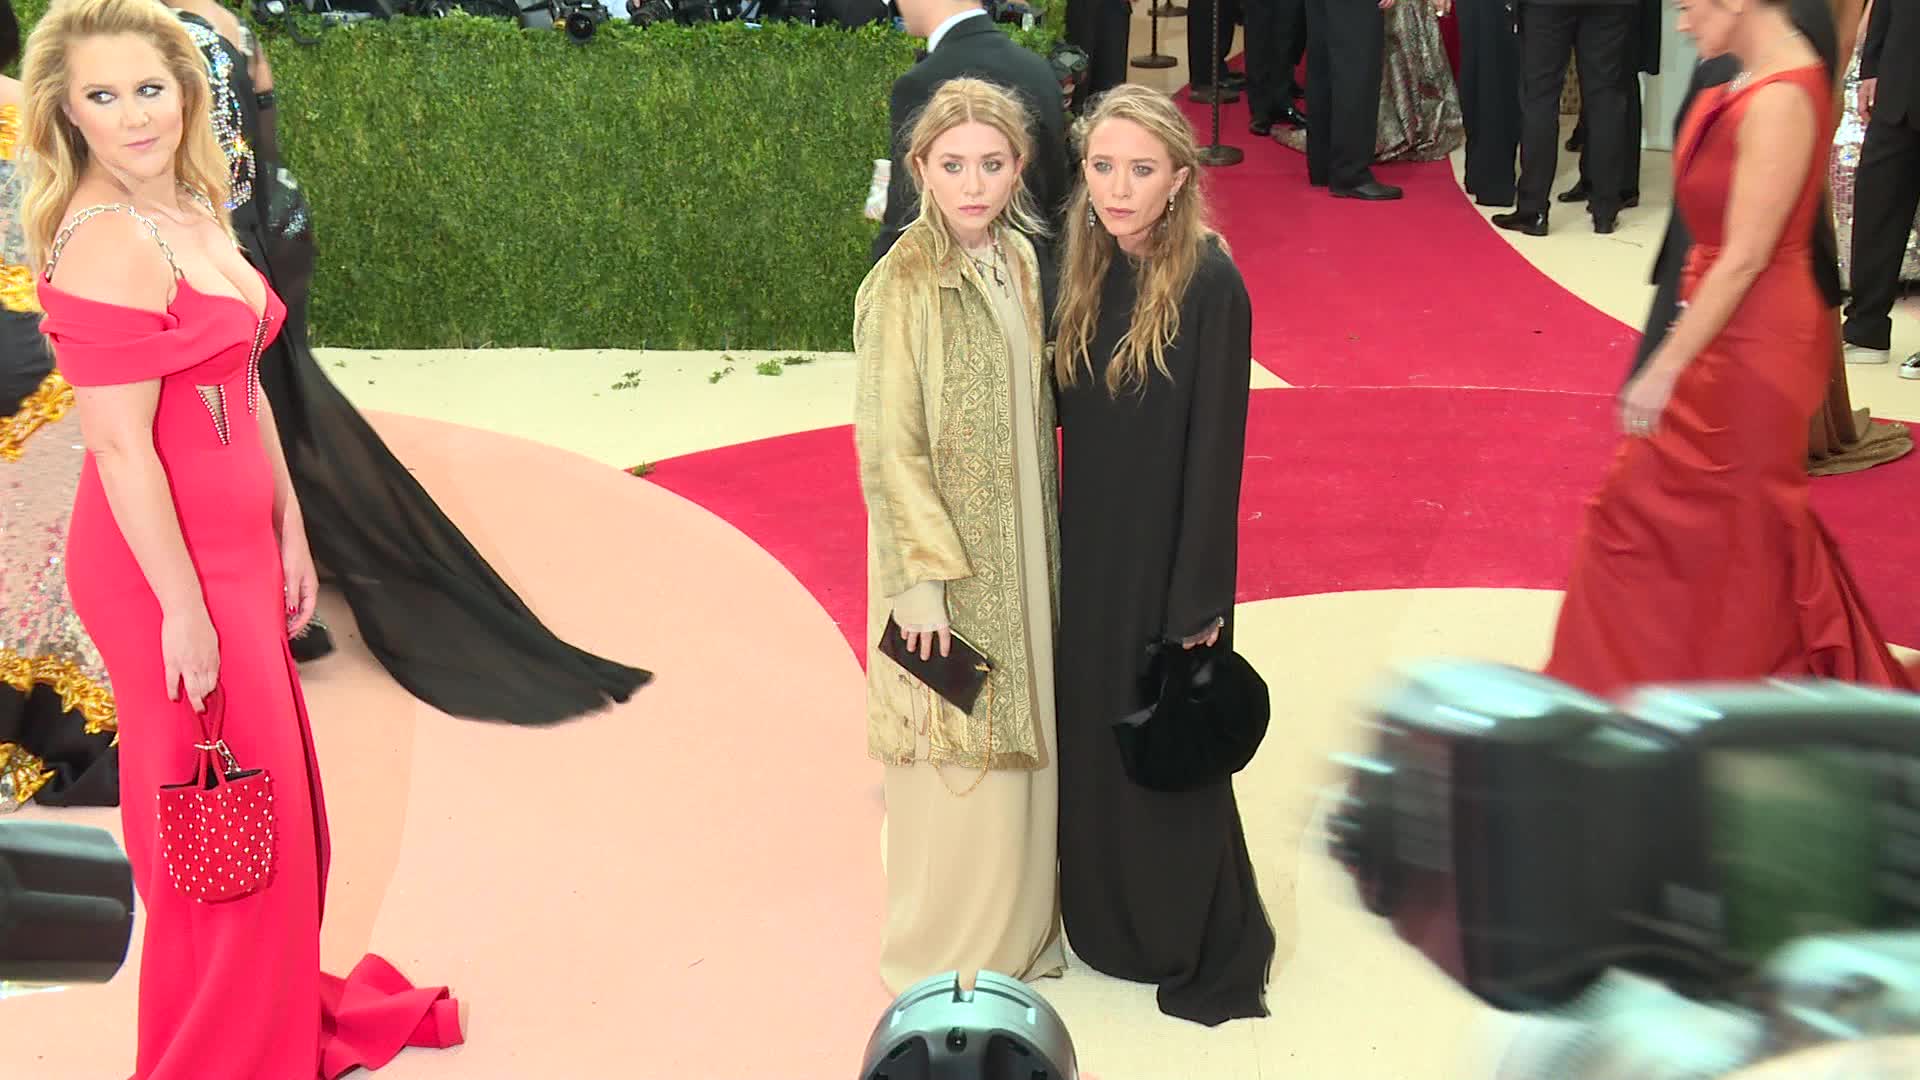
(216, 830)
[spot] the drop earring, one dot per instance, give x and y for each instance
(1093, 220)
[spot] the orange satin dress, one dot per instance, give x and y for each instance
(1700, 557)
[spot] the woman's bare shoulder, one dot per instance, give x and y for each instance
(1780, 109)
(112, 257)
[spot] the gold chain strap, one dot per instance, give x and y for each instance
(986, 761)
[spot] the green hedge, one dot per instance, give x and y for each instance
(475, 184)
(479, 185)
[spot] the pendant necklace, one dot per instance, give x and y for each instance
(1741, 80)
(993, 266)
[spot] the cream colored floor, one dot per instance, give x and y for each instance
(1350, 1003)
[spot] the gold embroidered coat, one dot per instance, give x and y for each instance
(933, 426)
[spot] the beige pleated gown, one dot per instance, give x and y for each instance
(972, 879)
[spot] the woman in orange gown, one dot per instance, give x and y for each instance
(1701, 558)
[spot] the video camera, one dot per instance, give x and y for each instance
(1010, 11)
(1527, 837)
(66, 906)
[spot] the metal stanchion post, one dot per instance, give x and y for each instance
(1213, 153)
(1154, 59)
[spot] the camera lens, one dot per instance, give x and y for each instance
(1359, 832)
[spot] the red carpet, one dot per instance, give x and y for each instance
(1418, 292)
(1345, 490)
(1455, 413)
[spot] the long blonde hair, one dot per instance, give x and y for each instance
(963, 101)
(54, 151)
(1175, 247)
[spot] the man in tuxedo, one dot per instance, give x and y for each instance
(1346, 51)
(1489, 96)
(963, 43)
(1276, 40)
(1203, 29)
(1886, 189)
(1646, 53)
(1600, 34)
(1102, 29)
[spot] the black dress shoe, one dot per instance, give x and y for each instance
(1261, 127)
(1580, 193)
(1522, 222)
(1206, 95)
(1371, 191)
(1605, 223)
(1293, 117)
(1233, 80)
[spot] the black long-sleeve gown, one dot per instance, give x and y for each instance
(430, 608)
(1154, 887)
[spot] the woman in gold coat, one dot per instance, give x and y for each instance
(954, 426)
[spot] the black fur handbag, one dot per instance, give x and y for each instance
(1207, 714)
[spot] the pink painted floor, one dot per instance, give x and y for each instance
(687, 886)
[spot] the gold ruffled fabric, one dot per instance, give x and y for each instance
(22, 775)
(49, 404)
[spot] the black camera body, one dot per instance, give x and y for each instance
(1009, 11)
(66, 904)
(579, 18)
(1526, 837)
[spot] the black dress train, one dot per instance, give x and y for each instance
(1154, 887)
(430, 608)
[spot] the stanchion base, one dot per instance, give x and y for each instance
(1221, 155)
(1154, 60)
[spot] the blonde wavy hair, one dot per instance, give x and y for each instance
(1175, 246)
(964, 101)
(53, 150)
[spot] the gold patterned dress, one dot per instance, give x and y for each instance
(44, 653)
(955, 431)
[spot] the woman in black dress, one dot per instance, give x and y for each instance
(430, 608)
(1153, 359)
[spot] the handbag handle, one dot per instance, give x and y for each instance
(213, 723)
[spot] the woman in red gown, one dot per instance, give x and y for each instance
(1701, 558)
(186, 560)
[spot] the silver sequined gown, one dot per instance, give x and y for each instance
(1846, 160)
(41, 641)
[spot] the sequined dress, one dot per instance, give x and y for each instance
(234, 990)
(1847, 137)
(56, 705)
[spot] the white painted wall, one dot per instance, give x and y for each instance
(1661, 94)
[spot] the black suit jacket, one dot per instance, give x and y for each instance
(977, 48)
(1890, 51)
